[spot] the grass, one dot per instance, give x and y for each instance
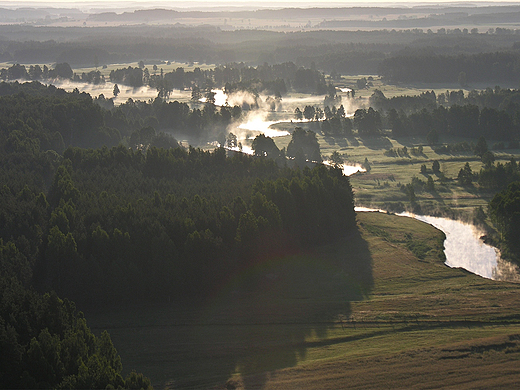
(364, 312)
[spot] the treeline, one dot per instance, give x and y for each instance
(275, 79)
(345, 52)
(503, 66)
(463, 121)
(47, 118)
(36, 72)
(491, 113)
(497, 98)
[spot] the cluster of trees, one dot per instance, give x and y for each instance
(490, 175)
(368, 122)
(316, 113)
(274, 79)
(497, 176)
(333, 120)
(36, 72)
(302, 148)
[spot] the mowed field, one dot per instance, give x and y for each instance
(365, 312)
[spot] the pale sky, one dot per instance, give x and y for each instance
(95, 6)
(249, 4)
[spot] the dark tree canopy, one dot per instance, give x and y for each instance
(305, 144)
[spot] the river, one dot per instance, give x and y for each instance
(464, 248)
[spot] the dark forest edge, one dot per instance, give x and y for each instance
(123, 224)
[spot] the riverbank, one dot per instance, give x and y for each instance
(377, 307)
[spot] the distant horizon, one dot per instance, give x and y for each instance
(124, 5)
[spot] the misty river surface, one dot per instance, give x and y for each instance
(464, 248)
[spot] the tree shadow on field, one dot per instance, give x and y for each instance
(342, 142)
(329, 140)
(282, 304)
(376, 143)
(261, 319)
(352, 141)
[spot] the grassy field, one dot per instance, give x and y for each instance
(381, 186)
(362, 313)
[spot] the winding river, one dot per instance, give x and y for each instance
(464, 248)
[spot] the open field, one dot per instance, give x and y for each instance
(365, 312)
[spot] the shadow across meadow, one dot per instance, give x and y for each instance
(262, 319)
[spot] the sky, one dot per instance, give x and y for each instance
(96, 6)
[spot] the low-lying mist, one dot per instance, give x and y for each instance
(259, 112)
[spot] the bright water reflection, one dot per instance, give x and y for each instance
(349, 169)
(261, 126)
(465, 249)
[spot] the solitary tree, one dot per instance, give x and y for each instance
(481, 147)
(465, 176)
(298, 114)
(116, 90)
(232, 141)
(336, 160)
(436, 167)
(265, 146)
(309, 112)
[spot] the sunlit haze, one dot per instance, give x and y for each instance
(201, 4)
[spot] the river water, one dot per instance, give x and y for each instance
(464, 248)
